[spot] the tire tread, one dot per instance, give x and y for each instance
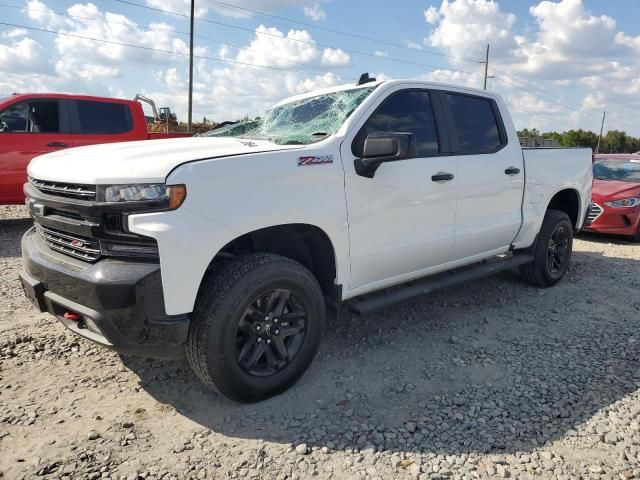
(214, 291)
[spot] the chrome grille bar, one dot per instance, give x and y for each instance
(594, 213)
(78, 247)
(86, 192)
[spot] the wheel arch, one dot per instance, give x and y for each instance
(568, 201)
(305, 243)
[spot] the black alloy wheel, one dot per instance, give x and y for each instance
(270, 333)
(256, 326)
(558, 249)
(551, 251)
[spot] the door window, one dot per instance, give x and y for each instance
(477, 127)
(103, 118)
(403, 112)
(40, 116)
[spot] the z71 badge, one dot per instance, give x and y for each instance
(315, 160)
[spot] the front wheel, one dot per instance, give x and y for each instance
(552, 251)
(256, 327)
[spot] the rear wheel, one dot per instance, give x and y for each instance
(552, 251)
(256, 327)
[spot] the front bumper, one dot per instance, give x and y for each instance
(120, 303)
(615, 221)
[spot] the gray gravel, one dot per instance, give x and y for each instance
(494, 379)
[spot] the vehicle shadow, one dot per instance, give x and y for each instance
(11, 230)
(606, 238)
(491, 366)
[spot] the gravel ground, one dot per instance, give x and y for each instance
(492, 379)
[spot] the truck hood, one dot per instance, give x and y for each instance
(604, 190)
(147, 161)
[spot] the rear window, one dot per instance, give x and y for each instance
(476, 125)
(103, 118)
(37, 116)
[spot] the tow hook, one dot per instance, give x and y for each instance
(74, 317)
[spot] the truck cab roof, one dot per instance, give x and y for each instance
(353, 86)
(67, 96)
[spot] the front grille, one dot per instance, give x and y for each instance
(69, 190)
(594, 213)
(87, 249)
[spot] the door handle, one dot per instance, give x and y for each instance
(57, 145)
(442, 177)
(512, 171)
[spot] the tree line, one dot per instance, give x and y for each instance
(615, 141)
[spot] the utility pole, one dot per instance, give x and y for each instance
(486, 67)
(601, 128)
(191, 68)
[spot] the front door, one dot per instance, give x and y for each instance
(28, 129)
(401, 221)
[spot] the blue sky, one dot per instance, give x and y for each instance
(558, 63)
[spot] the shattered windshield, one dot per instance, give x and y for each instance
(301, 122)
(617, 170)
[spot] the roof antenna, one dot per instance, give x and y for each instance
(365, 78)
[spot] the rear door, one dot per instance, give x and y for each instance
(95, 122)
(28, 129)
(491, 176)
(401, 221)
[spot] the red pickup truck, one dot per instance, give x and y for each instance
(34, 124)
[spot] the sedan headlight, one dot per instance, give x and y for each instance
(156, 194)
(624, 203)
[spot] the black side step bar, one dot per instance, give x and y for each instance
(421, 287)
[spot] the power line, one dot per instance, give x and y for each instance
(308, 42)
(142, 47)
(522, 81)
(386, 15)
(340, 32)
(542, 98)
(570, 105)
(155, 29)
(547, 98)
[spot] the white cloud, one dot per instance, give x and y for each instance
(593, 100)
(38, 11)
(14, 33)
(528, 104)
(335, 56)
(180, 6)
(431, 15)
(25, 56)
(452, 77)
(381, 54)
(270, 46)
(563, 44)
(236, 8)
(463, 28)
(315, 13)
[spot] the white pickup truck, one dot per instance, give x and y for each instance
(234, 247)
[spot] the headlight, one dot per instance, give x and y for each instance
(624, 203)
(164, 196)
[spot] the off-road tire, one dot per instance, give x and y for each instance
(223, 297)
(538, 272)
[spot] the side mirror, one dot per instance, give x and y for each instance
(384, 147)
